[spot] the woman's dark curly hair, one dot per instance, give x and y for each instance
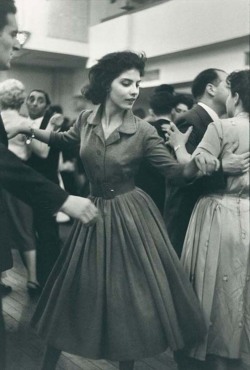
(107, 69)
(240, 83)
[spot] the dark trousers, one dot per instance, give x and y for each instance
(2, 338)
(48, 246)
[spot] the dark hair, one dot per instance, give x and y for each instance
(161, 103)
(46, 95)
(56, 108)
(107, 69)
(183, 99)
(205, 77)
(240, 83)
(6, 7)
(165, 88)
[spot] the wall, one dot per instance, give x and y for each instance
(58, 26)
(173, 26)
(58, 83)
(183, 67)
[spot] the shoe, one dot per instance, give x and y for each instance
(5, 289)
(33, 288)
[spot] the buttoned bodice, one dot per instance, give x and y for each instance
(115, 161)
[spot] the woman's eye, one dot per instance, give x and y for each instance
(125, 83)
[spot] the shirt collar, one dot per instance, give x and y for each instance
(210, 111)
(128, 125)
(36, 121)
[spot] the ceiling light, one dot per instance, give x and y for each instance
(22, 37)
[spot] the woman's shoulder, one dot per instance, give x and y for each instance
(144, 126)
(84, 114)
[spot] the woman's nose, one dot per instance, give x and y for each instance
(134, 90)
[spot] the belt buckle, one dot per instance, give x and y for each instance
(108, 191)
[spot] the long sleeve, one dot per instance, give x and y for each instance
(159, 157)
(212, 140)
(67, 139)
(28, 185)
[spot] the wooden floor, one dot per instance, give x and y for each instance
(25, 349)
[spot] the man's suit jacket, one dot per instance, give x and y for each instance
(179, 202)
(148, 178)
(26, 184)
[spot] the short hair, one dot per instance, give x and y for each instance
(109, 68)
(161, 103)
(205, 77)
(183, 99)
(12, 94)
(6, 7)
(165, 88)
(46, 95)
(239, 82)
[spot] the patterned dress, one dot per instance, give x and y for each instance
(118, 290)
(216, 251)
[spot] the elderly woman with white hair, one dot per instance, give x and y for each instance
(22, 233)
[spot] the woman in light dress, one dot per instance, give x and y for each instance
(216, 250)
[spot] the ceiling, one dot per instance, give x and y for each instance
(46, 59)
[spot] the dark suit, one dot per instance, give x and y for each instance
(148, 178)
(179, 202)
(32, 188)
(48, 246)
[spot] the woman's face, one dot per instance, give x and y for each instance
(124, 90)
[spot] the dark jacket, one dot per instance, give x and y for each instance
(179, 202)
(27, 185)
(48, 167)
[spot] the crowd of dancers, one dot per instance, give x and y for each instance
(158, 255)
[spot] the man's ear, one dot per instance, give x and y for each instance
(210, 89)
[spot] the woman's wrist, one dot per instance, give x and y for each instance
(29, 131)
(177, 147)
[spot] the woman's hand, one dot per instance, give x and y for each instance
(176, 138)
(206, 163)
(56, 121)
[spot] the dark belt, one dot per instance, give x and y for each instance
(109, 191)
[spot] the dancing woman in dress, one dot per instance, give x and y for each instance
(118, 291)
(216, 252)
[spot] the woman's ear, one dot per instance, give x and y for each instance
(236, 99)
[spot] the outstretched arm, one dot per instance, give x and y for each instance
(53, 138)
(31, 133)
(179, 174)
(40, 193)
